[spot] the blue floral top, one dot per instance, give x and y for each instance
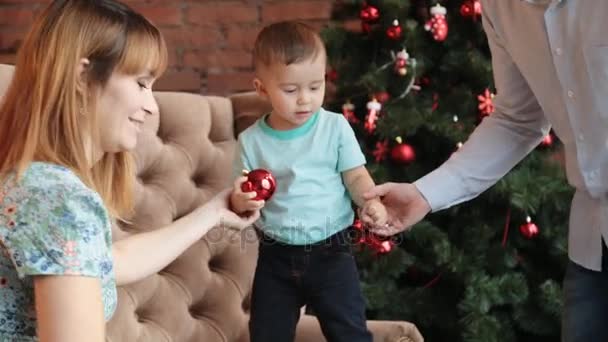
(50, 223)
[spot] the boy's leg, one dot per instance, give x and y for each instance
(335, 296)
(275, 300)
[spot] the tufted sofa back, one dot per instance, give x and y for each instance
(184, 156)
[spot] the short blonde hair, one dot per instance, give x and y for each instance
(40, 117)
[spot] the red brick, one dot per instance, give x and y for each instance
(195, 37)
(179, 81)
(228, 83)
(226, 12)
(241, 37)
(11, 40)
(217, 59)
(16, 17)
(292, 10)
(8, 58)
(161, 15)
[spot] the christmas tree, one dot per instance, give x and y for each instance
(414, 79)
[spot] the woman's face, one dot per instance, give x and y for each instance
(123, 105)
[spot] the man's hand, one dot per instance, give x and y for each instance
(404, 204)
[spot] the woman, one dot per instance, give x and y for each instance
(80, 93)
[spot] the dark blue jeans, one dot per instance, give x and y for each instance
(585, 316)
(322, 276)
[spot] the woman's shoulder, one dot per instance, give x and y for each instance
(41, 178)
(50, 185)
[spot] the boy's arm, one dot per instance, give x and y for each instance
(358, 181)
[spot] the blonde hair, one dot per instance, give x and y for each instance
(41, 115)
(286, 42)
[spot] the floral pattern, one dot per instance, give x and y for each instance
(50, 224)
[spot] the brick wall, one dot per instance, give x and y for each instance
(209, 41)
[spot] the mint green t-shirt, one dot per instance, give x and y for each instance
(310, 202)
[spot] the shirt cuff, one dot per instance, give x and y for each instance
(440, 188)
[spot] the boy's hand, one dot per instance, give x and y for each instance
(373, 213)
(242, 202)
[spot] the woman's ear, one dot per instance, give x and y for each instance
(81, 73)
(259, 88)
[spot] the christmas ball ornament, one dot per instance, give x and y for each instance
(394, 31)
(369, 14)
(470, 8)
(261, 181)
(529, 230)
(547, 141)
(348, 109)
(437, 25)
(382, 96)
(332, 75)
(376, 243)
(486, 104)
(401, 59)
(402, 153)
(373, 110)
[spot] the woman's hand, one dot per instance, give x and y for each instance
(219, 208)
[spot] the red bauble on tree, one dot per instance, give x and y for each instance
(382, 96)
(470, 8)
(377, 244)
(529, 230)
(261, 181)
(403, 153)
(547, 141)
(394, 31)
(369, 14)
(437, 25)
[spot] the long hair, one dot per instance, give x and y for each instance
(41, 117)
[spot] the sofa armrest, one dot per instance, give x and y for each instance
(308, 330)
(247, 108)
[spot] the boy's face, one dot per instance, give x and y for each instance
(295, 91)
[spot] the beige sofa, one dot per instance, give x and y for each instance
(183, 157)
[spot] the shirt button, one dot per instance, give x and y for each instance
(570, 94)
(558, 51)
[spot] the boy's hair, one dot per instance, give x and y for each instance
(286, 42)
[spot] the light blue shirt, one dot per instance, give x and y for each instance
(310, 202)
(550, 63)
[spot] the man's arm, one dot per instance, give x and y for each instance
(499, 142)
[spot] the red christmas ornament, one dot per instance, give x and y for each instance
(261, 181)
(369, 14)
(529, 230)
(471, 8)
(365, 238)
(382, 96)
(380, 151)
(348, 109)
(437, 25)
(401, 59)
(402, 153)
(486, 106)
(373, 110)
(547, 141)
(332, 75)
(394, 31)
